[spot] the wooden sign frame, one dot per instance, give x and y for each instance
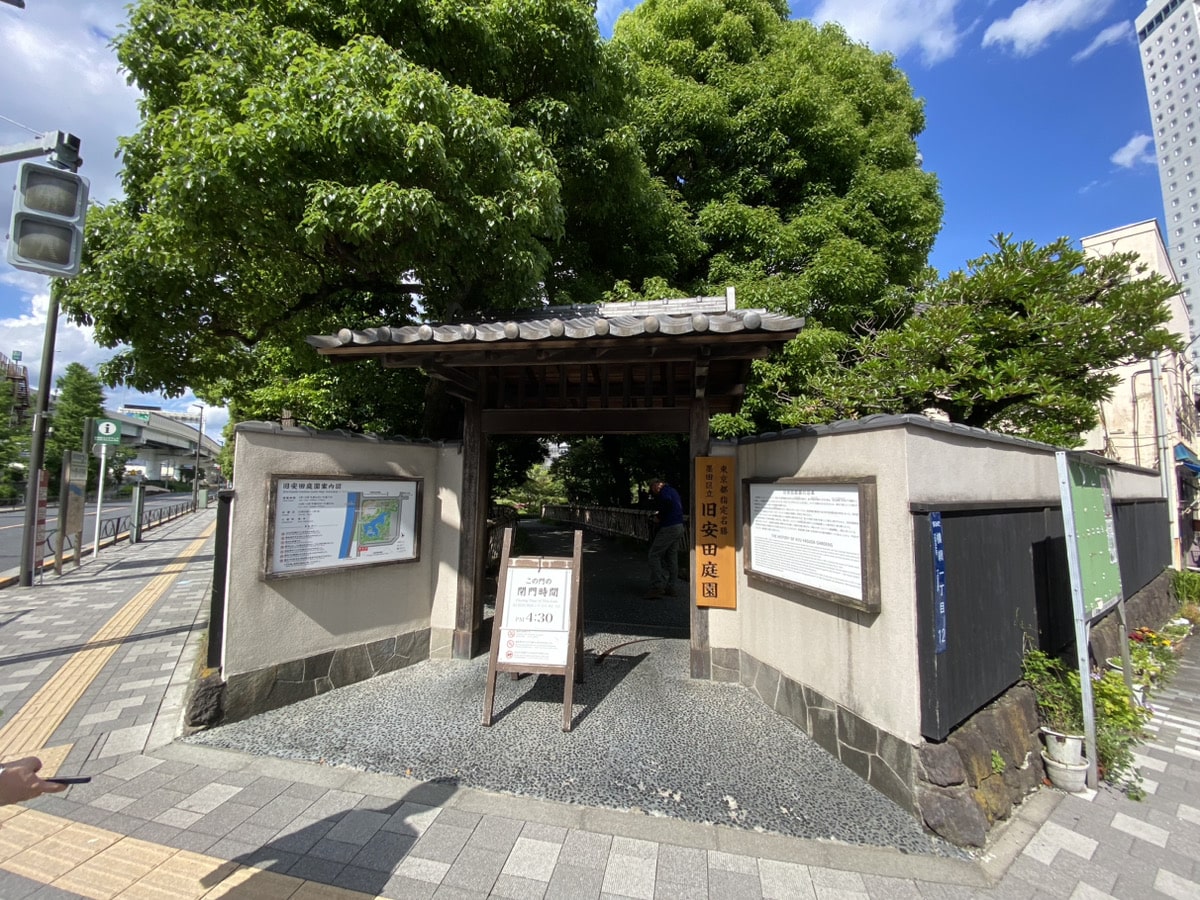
(503, 631)
(800, 579)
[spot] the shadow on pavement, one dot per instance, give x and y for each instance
(357, 849)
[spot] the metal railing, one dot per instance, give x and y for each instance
(116, 527)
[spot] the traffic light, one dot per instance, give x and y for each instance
(46, 232)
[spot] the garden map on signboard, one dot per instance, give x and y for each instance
(325, 522)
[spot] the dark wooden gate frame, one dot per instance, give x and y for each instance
(652, 367)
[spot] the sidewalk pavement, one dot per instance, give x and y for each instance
(94, 669)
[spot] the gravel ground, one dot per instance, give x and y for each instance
(644, 737)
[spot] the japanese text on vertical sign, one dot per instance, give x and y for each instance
(715, 575)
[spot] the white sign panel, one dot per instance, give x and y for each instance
(537, 620)
(808, 534)
(333, 523)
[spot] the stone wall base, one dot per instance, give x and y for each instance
(878, 757)
(1153, 606)
(274, 686)
(958, 788)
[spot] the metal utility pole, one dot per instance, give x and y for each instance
(1166, 461)
(196, 473)
(37, 447)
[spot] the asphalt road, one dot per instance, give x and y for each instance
(12, 523)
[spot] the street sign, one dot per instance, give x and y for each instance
(16, 355)
(108, 431)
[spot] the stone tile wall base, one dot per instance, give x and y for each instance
(958, 788)
(1152, 606)
(251, 693)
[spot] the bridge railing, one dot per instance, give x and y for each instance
(614, 520)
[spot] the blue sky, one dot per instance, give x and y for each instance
(1036, 123)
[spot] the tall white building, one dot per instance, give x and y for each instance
(1169, 45)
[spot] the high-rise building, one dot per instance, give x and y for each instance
(1168, 34)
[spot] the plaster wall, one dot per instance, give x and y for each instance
(837, 650)
(868, 663)
(270, 622)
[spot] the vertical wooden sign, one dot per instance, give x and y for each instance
(716, 553)
(537, 627)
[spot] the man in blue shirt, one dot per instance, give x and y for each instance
(664, 548)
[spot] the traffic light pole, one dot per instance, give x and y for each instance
(62, 148)
(37, 447)
(63, 151)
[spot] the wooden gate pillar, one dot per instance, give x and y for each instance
(699, 444)
(472, 542)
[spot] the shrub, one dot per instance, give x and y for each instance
(1120, 721)
(1059, 703)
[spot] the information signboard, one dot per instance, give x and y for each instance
(538, 611)
(1088, 515)
(322, 523)
(108, 431)
(536, 624)
(816, 535)
(1091, 540)
(715, 532)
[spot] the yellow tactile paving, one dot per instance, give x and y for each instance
(185, 876)
(103, 865)
(29, 729)
(27, 830)
(100, 864)
(105, 875)
(256, 884)
(52, 758)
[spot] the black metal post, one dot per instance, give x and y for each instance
(37, 445)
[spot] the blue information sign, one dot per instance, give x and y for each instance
(939, 583)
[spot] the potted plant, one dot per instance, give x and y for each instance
(1060, 709)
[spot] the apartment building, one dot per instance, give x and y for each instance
(1168, 33)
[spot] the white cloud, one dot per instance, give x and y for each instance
(897, 26)
(60, 74)
(1139, 150)
(1113, 34)
(1033, 23)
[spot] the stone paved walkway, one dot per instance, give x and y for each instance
(93, 669)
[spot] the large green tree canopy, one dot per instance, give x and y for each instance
(793, 151)
(1023, 341)
(303, 166)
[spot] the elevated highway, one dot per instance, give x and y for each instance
(165, 443)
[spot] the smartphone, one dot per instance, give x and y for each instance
(78, 779)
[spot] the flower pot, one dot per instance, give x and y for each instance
(1063, 748)
(1069, 777)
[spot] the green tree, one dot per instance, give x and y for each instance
(1021, 342)
(793, 153)
(303, 167)
(14, 442)
(80, 396)
(613, 469)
